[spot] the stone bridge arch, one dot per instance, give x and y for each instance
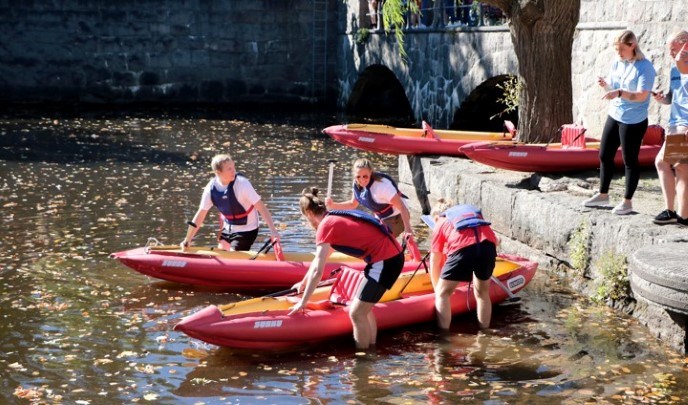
(378, 96)
(442, 69)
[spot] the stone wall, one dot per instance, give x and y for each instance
(166, 51)
(444, 66)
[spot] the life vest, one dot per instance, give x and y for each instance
(364, 196)
(465, 216)
(360, 216)
(230, 208)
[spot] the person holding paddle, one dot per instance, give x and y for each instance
(357, 234)
(379, 193)
(463, 248)
(238, 203)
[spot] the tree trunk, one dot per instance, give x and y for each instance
(542, 35)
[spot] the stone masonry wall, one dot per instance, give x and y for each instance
(445, 65)
(164, 50)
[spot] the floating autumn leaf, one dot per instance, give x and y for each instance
(191, 353)
(27, 393)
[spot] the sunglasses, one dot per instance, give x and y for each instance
(365, 176)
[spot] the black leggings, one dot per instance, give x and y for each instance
(629, 137)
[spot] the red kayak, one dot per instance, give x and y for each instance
(219, 268)
(555, 157)
(408, 141)
(263, 323)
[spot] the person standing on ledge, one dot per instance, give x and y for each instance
(236, 199)
(673, 177)
(628, 88)
(379, 193)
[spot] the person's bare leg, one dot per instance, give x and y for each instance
(359, 319)
(667, 180)
(484, 304)
(682, 189)
(443, 292)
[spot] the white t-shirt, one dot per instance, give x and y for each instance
(383, 191)
(245, 194)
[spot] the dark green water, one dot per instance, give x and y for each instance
(78, 327)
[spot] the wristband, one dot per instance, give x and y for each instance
(191, 223)
(620, 91)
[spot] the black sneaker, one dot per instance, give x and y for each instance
(666, 217)
(682, 221)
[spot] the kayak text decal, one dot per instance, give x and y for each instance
(366, 139)
(516, 282)
(267, 324)
(173, 263)
(518, 154)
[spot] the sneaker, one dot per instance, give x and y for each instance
(665, 217)
(681, 221)
(596, 201)
(623, 208)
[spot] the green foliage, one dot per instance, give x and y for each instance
(615, 283)
(393, 17)
(511, 94)
(362, 36)
(578, 249)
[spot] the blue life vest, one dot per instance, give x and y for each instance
(365, 197)
(360, 216)
(226, 202)
(465, 216)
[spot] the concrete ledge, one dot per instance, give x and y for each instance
(544, 214)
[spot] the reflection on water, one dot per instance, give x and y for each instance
(80, 327)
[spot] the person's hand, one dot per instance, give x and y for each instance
(601, 82)
(408, 234)
(658, 96)
(298, 287)
(274, 235)
(184, 245)
(328, 202)
(296, 308)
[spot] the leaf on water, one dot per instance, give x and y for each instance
(27, 393)
(191, 353)
(150, 396)
(126, 353)
(102, 361)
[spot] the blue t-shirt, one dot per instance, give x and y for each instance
(633, 76)
(678, 84)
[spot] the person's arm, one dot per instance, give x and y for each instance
(344, 205)
(403, 211)
(662, 98)
(312, 277)
(436, 261)
(193, 230)
(265, 214)
(634, 96)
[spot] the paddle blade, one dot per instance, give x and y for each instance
(413, 249)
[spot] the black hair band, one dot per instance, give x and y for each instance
(191, 223)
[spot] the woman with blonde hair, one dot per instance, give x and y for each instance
(379, 193)
(628, 87)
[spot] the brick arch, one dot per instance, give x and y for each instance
(477, 109)
(378, 96)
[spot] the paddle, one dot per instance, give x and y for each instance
(427, 219)
(265, 245)
(329, 177)
(323, 283)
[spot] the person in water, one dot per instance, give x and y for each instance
(463, 248)
(238, 203)
(361, 235)
(379, 193)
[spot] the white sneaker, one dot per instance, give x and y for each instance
(597, 200)
(623, 208)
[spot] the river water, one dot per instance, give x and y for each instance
(77, 327)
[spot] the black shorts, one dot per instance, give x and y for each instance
(240, 240)
(478, 259)
(379, 277)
